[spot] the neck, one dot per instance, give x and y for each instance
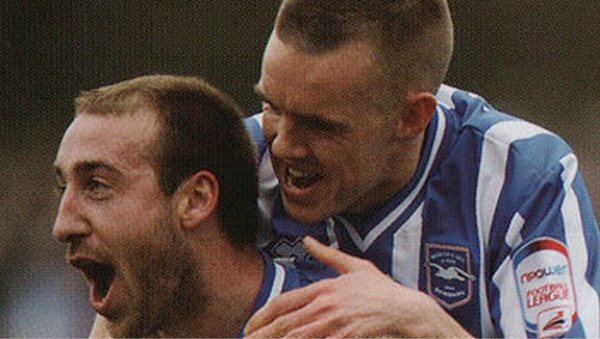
(226, 284)
(400, 174)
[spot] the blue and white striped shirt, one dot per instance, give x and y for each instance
(496, 225)
(276, 280)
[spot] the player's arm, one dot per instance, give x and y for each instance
(361, 302)
(550, 269)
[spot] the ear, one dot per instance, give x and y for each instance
(199, 199)
(420, 107)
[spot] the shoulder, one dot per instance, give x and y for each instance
(497, 133)
(254, 126)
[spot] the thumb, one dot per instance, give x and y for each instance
(336, 259)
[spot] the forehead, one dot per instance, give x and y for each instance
(291, 77)
(121, 141)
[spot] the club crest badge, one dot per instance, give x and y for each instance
(449, 276)
(544, 279)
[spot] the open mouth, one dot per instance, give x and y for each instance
(300, 179)
(100, 276)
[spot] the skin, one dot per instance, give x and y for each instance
(170, 256)
(111, 210)
(320, 117)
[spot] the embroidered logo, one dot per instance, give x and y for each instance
(449, 277)
(452, 272)
(543, 274)
(287, 248)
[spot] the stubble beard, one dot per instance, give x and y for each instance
(163, 282)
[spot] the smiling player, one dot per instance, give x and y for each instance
(479, 217)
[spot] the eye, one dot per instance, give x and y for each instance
(60, 188)
(61, 183)
(322, 126)
(97, 188)
(318, 125)
(267, 107)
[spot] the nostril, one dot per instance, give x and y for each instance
(71, 219)
(68, 227)
(60, 232)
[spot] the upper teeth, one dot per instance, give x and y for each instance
(295, 178)
(297, 173)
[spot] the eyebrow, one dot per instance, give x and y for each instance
(305, 116)
(259, 92)
(263, 96)
(86, 167)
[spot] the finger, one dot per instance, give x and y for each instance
(316, 329)
(338, 260)
(281, 305)
(308, 321)
(286, 325)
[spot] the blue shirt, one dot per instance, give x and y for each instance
(277, 279)
(496, 225)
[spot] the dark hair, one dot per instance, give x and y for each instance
(412, 39)
(200, 129)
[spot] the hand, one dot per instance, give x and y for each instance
(361, 302)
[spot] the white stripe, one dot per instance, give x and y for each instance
(444, 96)
(586, 296)
(511, 314)
(513, 234)
(492, 172)
(407, 247)
(268, 183)
(259, 118)
(278, 280)
(268, 188)
(333, 241)
(363, 245)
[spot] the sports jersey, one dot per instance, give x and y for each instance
(495, 225)
(277, 279)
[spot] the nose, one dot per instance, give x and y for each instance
(287, 139)
(70, 222)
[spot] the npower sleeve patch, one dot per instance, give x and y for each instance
(544, 279)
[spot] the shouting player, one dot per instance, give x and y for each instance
(158, 188)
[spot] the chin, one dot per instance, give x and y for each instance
(127, 328)
(304, 215)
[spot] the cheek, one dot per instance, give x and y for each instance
(154, 257)
(142, 228)
(362, 158)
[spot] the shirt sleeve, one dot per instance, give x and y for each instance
(548, 284)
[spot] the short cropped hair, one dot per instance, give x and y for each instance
(412, 39)
(200, 128)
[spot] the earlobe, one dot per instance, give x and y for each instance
(199, 200)
(420, 109)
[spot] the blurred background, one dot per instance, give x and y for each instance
(537, 60)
